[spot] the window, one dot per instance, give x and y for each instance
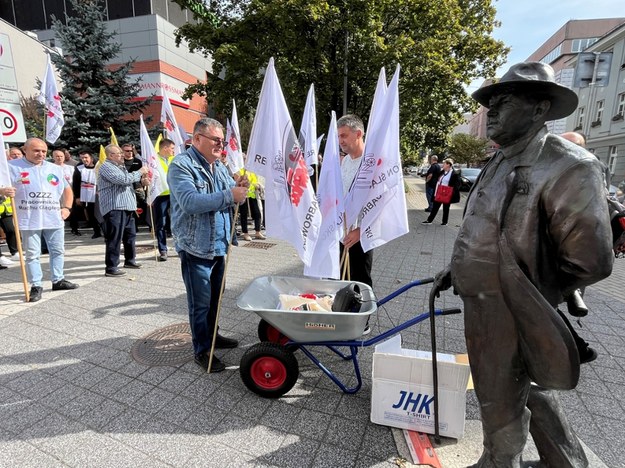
(599, 115)
(580, 44)
(551, 56)
(580, 118)
(621, 105)
(612, 160)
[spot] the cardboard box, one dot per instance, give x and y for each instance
(403, 394)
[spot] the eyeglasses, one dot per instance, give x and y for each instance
(128, 151)
(219, 141)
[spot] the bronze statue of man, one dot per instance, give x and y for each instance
(535, 228)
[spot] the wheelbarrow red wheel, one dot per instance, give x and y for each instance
(269, 370)
(267, 332)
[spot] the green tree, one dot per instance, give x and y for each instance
(467, 149)
(442, 45)
(95, 95)
(33, 113)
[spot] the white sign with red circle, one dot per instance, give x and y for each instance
(12, 123)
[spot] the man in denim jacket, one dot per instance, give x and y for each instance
(202, 192)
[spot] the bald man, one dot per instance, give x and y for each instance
(43, 198)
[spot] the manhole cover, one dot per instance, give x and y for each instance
(169, 346)
(260, 245)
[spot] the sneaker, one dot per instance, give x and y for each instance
(132, 265)
(259, 236)
(202, 361)
(116, 272)
(247, 237)
(15, 257)
(162, 257)
(35, 293)
(426, 222)
(62, 285)
(223, 342)
(6, 261)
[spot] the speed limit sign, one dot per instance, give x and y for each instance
(12, 123)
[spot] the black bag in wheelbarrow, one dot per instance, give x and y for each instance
(348, 299)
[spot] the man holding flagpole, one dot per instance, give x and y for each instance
(43, 199)
(201, 194)
(351, 131)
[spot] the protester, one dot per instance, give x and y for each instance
(133, 163)
(251, 207)
(85, 187)
(202, 193)
(14, 153)
(69, 160)
(351, 131)
(431, 177)
(43, 198)
(118, 205)
(447, 178)
(526, 240)
(58, 158)
(160, 206)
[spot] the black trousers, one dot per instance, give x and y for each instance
(252, 203)
(119, 227)
(435, 207)
(360, 264)
(6, 222)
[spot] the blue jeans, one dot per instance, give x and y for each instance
(202, 280)
(119, 226)
(160, 211)
(55, 239)
(429, 195)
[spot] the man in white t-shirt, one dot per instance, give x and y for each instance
(43, 198)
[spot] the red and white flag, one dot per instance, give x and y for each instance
(377, 194)
(308, 129)
(234, 153)
(171, 127)
(158, 183)
(274, 152)
(325, 260)
(49, 97)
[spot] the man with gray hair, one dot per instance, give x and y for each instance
(201, 195)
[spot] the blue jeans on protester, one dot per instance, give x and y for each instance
(160, 209)
(55, 240)
(119, 226)
(429, 195)
(202, 280)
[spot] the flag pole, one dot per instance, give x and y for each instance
(18, 240)
(223, 286)
(149, 206)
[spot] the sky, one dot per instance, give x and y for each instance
(526, 24)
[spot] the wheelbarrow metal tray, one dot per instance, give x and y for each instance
(262, 297)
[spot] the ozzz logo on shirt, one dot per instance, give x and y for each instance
(54, 180)
(24, 178)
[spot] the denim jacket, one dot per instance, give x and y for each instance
(196, 196)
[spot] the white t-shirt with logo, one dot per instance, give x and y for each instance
(39, 190)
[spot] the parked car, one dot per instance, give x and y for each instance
(468, 176)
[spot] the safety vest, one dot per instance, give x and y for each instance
(165, 165)
(5, 207)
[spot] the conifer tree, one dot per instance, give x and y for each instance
(95, 95)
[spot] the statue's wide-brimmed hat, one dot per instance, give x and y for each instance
(534, 78)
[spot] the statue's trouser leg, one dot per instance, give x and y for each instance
(555, 440)
(501, 382)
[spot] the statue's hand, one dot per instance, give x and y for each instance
(442, 282)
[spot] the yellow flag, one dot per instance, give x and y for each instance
(157, 145)
(101, 159)
(113, 137)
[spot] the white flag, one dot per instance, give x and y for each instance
(49, 97)
(171, 127)
(274, 153)
(158, 184)
(5, 176)
(384, 215)
(325, 261)
(234, 154)
(308, 129)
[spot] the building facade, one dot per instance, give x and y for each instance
(145, 29)
(601, 109)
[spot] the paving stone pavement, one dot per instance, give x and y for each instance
(71, 394)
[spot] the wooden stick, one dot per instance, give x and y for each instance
(20, 250)
(147, 195)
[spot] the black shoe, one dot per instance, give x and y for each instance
(132, 265)
(76, 232)
(426, 222)
(96, 235)
(223, 342)
(162, 257)
(63, 285)
(202, 361)
(587, 355)
(443, 224)
(35, 293)
(427, 210)
(116, 272)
